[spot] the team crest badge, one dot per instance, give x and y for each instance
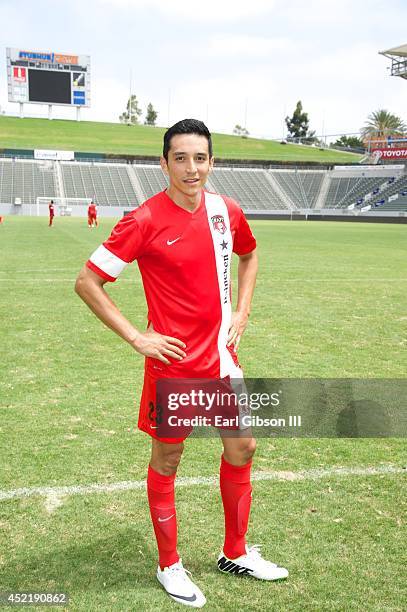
(218, 223)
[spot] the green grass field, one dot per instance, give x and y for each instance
(96, 137)
(330, 302)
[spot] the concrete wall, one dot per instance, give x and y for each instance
(77, 211)
(325, 214)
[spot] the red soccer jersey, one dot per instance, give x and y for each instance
(184, 260)
(92, 210)
(51, 210)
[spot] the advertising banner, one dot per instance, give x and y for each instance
(54, 155)
(390, 153)
(20, 74)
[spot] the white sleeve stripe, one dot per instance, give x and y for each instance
(107, 262)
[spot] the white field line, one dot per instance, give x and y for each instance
(38, 270)
(52, 502)
(313, 474)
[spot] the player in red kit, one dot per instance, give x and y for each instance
(183, 239)
(92, 215)
(51, 213)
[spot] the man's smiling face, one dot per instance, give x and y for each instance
(188, 164)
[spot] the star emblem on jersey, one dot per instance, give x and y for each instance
(223, 245)
(218, 223)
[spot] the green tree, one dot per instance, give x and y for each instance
(310, 138)
(381, 124)
(132, 113)
(240, 131)
(298, 124)
(151, 115)
(352, 142)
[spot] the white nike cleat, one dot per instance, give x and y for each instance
(252, 564)
(179, 586)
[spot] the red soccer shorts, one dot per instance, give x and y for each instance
(154, 411)
(147, 420)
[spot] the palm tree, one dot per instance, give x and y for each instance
(381, 124)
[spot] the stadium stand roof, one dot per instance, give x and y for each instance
(398, 64)
(400, 51)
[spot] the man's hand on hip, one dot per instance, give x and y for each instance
(158, 346)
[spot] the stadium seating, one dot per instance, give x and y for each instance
(25, 179)
(345, 191)
(107, 184)
(302, 187)
(360, 191)
(398, 187)
(152, 179)
(250, 187)
(128, 185)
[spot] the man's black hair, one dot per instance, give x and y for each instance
(186, 126)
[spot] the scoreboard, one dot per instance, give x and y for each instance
(48, 78)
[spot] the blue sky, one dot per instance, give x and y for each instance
(212, 60)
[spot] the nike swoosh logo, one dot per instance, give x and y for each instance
(170, 242)
(162, 520)
(191, 598)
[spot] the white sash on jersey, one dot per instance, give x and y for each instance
(219, 224)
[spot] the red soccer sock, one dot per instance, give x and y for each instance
(236, 493)
(161, 499)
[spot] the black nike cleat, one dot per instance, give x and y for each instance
(252, 564)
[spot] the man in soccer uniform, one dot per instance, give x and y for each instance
(183, 240)
(51, 213)
(92, 215)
